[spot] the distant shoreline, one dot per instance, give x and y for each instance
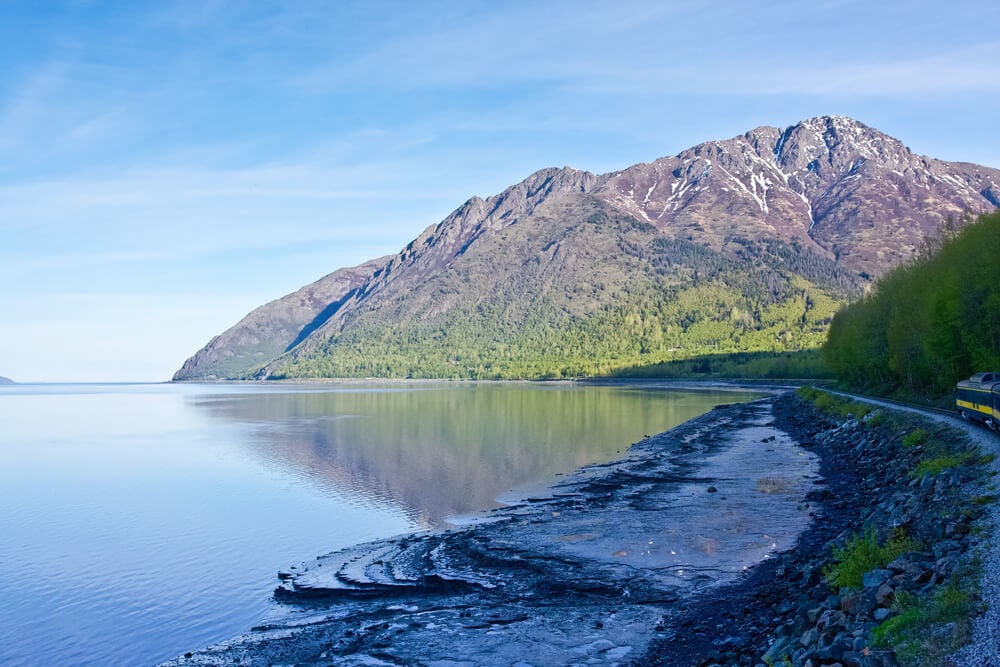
(694, 382)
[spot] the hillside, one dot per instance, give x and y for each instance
(929, 323)
(747, 244)
(4, 380)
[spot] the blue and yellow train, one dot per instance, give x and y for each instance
(978, 398)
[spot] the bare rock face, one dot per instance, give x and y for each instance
(564, 245)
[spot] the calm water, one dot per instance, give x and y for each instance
(140, 521)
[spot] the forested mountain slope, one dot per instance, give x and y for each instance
(929, 323)
(748, 244)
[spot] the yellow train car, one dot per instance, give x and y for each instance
(978, 398)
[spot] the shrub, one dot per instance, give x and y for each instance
(934, 465)
(927, 629)
(861, 555)
(877, 419)
(917, 436)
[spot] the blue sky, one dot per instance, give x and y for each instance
(168, 166)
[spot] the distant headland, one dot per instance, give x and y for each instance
(4, 380)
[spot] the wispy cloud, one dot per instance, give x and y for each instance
(26, 109)
(649, 51)
(973, 69)
(514, 43)
(198, 209)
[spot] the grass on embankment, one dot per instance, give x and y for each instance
(926, 626)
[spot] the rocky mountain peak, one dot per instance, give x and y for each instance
(828, 147)
(824, 181)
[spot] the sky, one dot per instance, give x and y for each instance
(166, 167)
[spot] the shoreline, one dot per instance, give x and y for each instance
(593, 567)
(902, 481)
(771, 583)
(533, 603)
(714, 383)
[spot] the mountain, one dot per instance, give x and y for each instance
(836, 185)
(746, 244)
(276, 328)
(4, 380)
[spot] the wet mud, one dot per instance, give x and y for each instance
(611, 565)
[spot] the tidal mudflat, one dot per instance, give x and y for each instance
(590, 571)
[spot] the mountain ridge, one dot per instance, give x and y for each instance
(571, 250)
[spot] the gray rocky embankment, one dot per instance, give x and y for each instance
(911, 495)
(693, 550)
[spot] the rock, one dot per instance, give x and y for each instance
(733, 642)
(904, 565)
(856, 604)
(778, 650)
(832, 653)
(852, 659)
(876, 578)
(945, 547)
(830, 619)
(790, 600)
(956, 529)
(600, 646)
(885, 595)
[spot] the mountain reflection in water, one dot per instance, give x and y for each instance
(445, 449)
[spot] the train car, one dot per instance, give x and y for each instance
(978, 398)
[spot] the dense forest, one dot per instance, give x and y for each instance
(927, 324)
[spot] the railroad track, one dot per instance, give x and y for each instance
(914, 407)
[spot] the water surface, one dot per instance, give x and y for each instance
(141, 521)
